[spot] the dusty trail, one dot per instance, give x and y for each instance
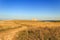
(9, 34)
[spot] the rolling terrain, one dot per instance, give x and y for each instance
(29, 30)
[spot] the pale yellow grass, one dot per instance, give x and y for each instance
(15, 23)
(20, 25)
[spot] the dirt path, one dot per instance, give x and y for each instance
(9, 34)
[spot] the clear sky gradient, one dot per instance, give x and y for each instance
(28, 9)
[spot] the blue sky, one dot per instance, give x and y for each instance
(28, 9)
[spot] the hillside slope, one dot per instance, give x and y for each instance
(29, 30)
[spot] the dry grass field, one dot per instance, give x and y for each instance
(29, 30)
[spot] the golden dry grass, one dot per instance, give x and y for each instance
(29, 30)
(29, 23)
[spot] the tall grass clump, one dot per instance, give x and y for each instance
(40, 33)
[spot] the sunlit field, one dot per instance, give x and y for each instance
(29, 30)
